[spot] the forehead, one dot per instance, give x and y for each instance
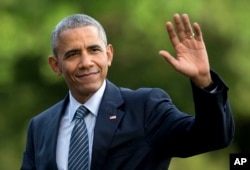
(83, 33)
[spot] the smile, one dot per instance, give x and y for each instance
(87, 74)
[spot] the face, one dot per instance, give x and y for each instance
(83, 59)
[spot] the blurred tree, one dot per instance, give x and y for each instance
(137, 31)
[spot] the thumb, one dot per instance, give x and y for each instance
(168, 57)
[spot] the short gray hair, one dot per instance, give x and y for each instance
(75, 21)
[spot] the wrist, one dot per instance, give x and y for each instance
(203, 81)
(210, 87)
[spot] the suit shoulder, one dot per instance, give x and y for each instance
(53, 110)
(142, 92)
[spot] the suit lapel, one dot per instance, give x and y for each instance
(108, 119)
(52, 133)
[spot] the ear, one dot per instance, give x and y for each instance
(54, 64)
(110, 53)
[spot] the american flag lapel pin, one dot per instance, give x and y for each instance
(112, 117)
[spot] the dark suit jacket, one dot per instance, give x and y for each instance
(147, 132)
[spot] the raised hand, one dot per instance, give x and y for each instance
(191, 56)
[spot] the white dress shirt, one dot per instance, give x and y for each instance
(67, 125)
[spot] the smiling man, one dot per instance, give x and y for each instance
(99, 126)
(83, 58)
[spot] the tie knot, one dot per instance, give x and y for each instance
(81, 112)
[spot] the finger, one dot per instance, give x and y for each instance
(172, 34)
(179, 27)
(168, 57)
(198, 32)
(188, 29)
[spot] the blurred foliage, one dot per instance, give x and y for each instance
(137, 31)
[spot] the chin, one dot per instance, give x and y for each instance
(91, 88)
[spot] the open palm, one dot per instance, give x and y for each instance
(191, 56)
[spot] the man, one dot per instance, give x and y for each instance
(126, 129)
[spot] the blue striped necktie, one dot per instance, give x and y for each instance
(79, 143)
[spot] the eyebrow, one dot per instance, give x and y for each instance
(94, 46)
(76, 50)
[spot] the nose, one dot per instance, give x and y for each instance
(85, 61)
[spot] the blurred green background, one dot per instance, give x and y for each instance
(137, 31)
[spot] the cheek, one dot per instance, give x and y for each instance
(67, 68)
(105, 67)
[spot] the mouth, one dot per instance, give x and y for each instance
(86, 75)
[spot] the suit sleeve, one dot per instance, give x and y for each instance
(173, 133)
(28, 162)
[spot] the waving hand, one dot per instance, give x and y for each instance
(191, 56)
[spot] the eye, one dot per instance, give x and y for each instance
(71, 54)
(95, 49)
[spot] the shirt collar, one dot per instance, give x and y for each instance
(92, 104)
